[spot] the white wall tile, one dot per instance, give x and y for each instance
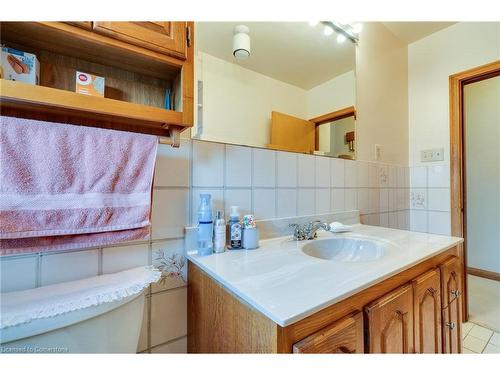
(418, 177)
(440, 223)
(377, 175)
(351, 199)
(384, 200)
(384, 219)
(439, 199)
(418, 220)
(362, 171)
(439, 176)
(264, 203)
(178, 346)
(286, 203)
(363, 201)
(404, 220)
(168, 315)
(287, 169)
(173, 165)
(403, 178)
(306, 170)
(264, 168)
(61, 267)
(393, 199)
(393, 220)
(238, 166)
(322, 171)
(120, 258)
(323, 201)
(306, 199)
(402, 199)
(351, 174)
(337, 200)
(337, 173)
(143, 338)
(374, 200)
(238, 197)
(170, 212)
(418, 199)
(217, 202)
(393, 176)
(208, 164)
(169, 256)
(18, 273)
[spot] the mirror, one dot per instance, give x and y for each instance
(279, 85)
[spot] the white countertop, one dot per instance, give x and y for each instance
(286, 285)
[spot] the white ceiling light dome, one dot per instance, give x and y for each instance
(241, 42)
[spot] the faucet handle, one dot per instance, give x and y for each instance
(297, 231)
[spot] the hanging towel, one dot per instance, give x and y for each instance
(66, 187)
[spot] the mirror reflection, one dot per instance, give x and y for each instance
(284, 85)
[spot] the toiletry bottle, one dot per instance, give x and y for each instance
(219, 233)
(234, 229)
(205, 225)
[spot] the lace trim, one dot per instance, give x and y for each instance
(59, 308)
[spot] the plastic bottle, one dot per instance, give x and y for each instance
(219, 233)
(235, 229)
(205, 225)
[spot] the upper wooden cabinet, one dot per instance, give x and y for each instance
(451, 274)
(390, 322)
(87, 25)
(164, 37)
(341, 337)
(427, 312)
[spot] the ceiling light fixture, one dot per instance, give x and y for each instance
(345, 30)
(328, 30)
(241, 42)
(341, 38)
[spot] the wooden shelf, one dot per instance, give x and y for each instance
(145, 119)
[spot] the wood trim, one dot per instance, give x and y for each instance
(483, 273)
(457, 159)
(334, 116)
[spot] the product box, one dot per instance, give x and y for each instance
(89, 84)
(19, 66)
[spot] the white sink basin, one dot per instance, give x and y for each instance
(344, 249)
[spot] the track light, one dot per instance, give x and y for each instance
(328, 31)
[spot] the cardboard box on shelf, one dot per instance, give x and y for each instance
(89, 84)
(19, 66)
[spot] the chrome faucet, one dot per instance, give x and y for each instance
(308, 231)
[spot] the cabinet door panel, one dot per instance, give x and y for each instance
(427, 312)
(390, 322)
(87, 25)
(451, 291)
(343, 336)
(164, 37)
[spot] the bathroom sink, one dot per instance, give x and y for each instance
(344, 249)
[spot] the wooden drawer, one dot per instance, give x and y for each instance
(342, 336)
(165, 37)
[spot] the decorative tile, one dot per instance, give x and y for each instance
(381, 178)
(121, 258)
(337, 201)
(172, 165)
(238, 166)
(286, 203)
(337, 173)
(306, 170)
(322, 201)
(264, 168)
(18, 273)
(169, 258)
(264, 203)
(287, 169)
(418, 199)
(238, 197)
(69, 266)
(439, 199)
(170, 213)
(208, 164)
(322, 165)
(168, 315)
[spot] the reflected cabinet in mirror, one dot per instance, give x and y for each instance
(281, 85)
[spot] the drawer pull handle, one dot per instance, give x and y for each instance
(451, 325)
(345, 350)
(455, 293)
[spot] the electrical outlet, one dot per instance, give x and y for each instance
(436, 154)
(378, 152)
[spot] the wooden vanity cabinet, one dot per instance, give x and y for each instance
(341, 337)
(427, 312)
(451, 291)
(165, 37)
(390, 322)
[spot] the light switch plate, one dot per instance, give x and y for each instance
(436, 154)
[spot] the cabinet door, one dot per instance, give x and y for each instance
(451, 291)
(390, 322)
(427, 312)
(343, 336)
(164, 37)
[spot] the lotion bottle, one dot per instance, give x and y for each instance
(219, 233)
(235, 229)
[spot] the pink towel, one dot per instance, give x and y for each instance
(66, 187)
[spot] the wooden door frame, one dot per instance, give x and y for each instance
(457, 157)
(332, 116)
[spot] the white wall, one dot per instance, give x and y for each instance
(482, 134)
(431, 61)
(332, 95)
(382, 95)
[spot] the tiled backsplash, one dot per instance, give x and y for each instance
(271, 184)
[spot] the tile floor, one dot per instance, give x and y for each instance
(484, 302)
(477, 339)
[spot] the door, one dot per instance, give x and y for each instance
(427, 312)
(390, 322)
(289, 133)
(451, 291)
(344, 336)
(164, 37)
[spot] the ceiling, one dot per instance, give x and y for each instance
(410, 32)
(292, 52)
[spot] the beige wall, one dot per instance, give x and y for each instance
(382, 95)
(431, 61)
